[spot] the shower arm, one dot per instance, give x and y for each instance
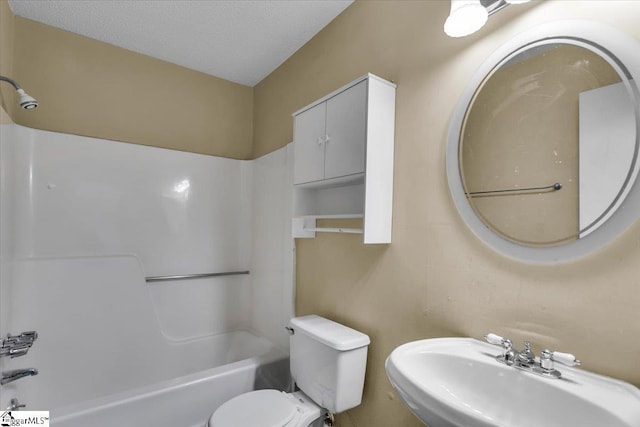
(11, 82)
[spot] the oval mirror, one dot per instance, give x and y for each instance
(543, 145)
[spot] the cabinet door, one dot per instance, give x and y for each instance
(308, 137)
(346, 132)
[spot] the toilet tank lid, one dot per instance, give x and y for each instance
(330, 333)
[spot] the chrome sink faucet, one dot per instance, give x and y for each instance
(526, 356)
(526, 360)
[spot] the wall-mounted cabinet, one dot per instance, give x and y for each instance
(330, 137)
(343, 160)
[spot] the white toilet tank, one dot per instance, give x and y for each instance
(328, 361)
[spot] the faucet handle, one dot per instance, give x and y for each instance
(29, 335)
(567, 359)
(498, 340)
(14, 405)
(547, 357)
(18, 351)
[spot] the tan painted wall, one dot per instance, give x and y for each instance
(87, 87)
(437, 279)
(5, 118)
(7, 20)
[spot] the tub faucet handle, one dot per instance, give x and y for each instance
(17, 345)
(14, 405)
(290, 330)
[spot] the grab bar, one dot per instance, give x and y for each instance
(193, 276)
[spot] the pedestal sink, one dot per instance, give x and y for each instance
(456, 382)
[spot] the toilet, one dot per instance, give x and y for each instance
(328, 362)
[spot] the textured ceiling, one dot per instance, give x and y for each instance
(242, 40)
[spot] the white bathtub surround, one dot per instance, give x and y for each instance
(272, 272)
(99, 333)
(83, 221)
(6, 233)
(178, 212)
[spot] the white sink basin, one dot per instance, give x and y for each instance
(457, 382)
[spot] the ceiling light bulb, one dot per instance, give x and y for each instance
(466, 17)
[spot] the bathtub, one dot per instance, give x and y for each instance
(84, 233)
(186, 401)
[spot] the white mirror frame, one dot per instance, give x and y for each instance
(621, 46)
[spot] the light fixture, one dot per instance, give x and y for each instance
(466, 17)
(27, 102)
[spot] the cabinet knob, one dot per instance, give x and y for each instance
(320, 141)
(327, 138)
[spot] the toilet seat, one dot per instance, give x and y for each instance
(262, 408)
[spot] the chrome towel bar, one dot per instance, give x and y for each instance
(193, 276)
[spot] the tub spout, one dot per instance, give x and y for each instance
(10, 376)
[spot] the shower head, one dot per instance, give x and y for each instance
(27, 102)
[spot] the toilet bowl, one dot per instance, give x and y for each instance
(268, 408)
(328, 363)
